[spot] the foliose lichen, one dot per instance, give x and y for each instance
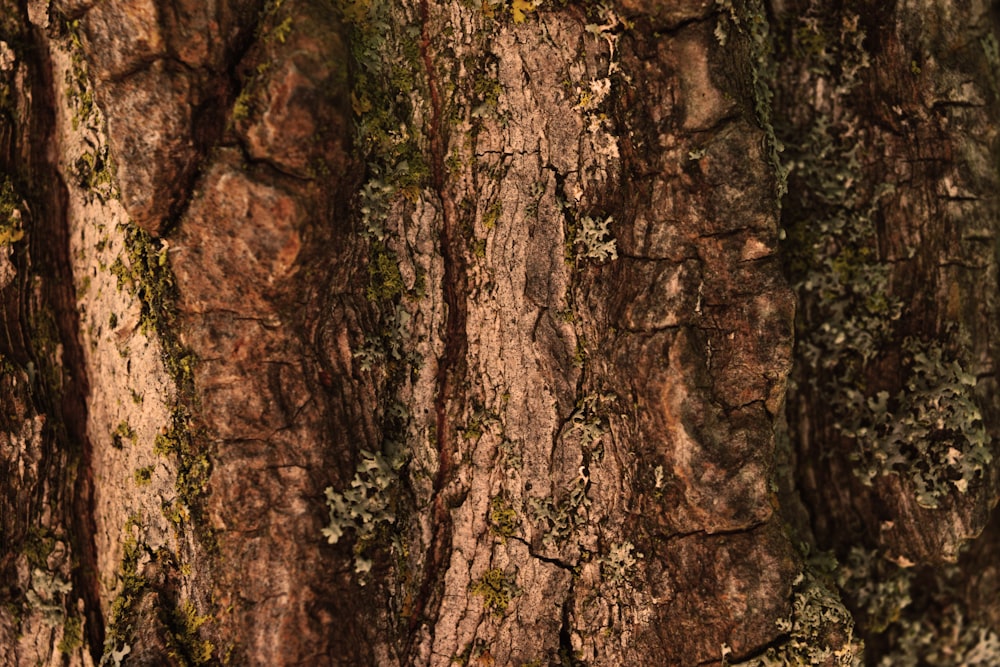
(365, 505)
(932, 431)
(595, 241)
(561, 516)
(820, 629)
(951, 640)
(876, 588)
(746, 20)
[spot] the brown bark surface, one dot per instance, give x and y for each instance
(431, 333)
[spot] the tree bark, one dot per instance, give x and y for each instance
(499, 332)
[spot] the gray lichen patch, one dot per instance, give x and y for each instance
(818, 631)
(897, 368)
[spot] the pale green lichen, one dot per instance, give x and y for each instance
(819, 631)
(949, 641)
(932, 431)
(365, 505)
(877, 588)
(47, 595)
(747, 20)
(561, 517)
(595, 241)
(618, 565)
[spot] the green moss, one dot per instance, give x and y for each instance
(241, 106)
(282, 30)
(131, 585)
(492, 214)
(487, 91)
(143, 476)
(38, 546)
(385, 281)
(496, 588)
(145, 273)
(186, 643)
(11, 230)
(454, 163)
(479, 248)
(503, 519)
(193, 466)
(96, 173)
(175, 513)
(72, 638)
(122, 433)
(78, 88)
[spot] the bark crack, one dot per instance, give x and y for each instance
(49, 248)
(450, 365)
(719, 533)
(561, 564)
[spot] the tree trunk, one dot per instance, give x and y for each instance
(465, 332)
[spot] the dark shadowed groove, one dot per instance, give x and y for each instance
(451, 365)
(49, 249)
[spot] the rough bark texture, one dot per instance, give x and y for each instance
(431, 333)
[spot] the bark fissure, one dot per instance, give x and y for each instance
(51, 253)
(447, 399)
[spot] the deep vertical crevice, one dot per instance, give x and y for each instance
(451, 364)
(50, 256)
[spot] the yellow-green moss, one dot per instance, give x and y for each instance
(131, 586)
(72, 638)
(503, 519)
(187, 644)
(496, 588)
(122, 433)
(143, 476)
(385, 281)
(11, 230)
